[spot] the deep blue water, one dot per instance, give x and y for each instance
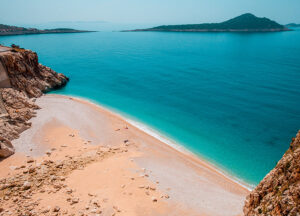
(232, 98)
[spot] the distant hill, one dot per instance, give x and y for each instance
(244, 23)
(292, 25)
(14, 30)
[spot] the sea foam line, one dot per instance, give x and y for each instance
(168, 141)
(150, 131)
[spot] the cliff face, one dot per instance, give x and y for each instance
(22, 79)
(279, 192)
(27, 75)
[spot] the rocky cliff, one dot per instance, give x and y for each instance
(22, 79)
(279, 192)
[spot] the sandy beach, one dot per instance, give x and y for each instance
(113, 167)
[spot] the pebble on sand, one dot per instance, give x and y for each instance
(154, 199)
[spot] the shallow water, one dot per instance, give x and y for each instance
(232, 98)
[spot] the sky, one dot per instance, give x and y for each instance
(16, 12)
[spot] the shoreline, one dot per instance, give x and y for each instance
(115, 160)
(162, 138)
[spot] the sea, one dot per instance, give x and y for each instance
(232, 99)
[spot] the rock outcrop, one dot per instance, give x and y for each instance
(6, 148)
(279, 192)
(27, 75)
(22, 79)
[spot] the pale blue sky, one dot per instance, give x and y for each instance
(144, 11)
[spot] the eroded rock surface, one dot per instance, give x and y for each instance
(27, 75)
(279, 192)
(6, 148)
(28, 79)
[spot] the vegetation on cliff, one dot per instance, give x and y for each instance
(279, 192)
(244, 23)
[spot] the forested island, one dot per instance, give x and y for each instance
(14, 30)
(244, 23)
(293, 25)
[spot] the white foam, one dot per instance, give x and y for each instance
(143, 127)
(182, 149)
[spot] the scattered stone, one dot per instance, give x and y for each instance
(69, 191)
(152, 188)
(96, 211)
(154, 199)
(96, 202)
(26, 185)
(65, 212)
(13, 167)
(93, 211)
(30, 160)
(31, 169)
(116, 208)
(56, 209)
(74, 201)
(46, 210)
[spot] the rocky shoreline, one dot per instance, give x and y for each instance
(279, 192)
(22, 79)
(133, 160)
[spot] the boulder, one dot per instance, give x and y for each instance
(6, 148)
(28, 80)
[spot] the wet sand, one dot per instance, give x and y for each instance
(139, 175)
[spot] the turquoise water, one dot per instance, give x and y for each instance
(232, 98)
